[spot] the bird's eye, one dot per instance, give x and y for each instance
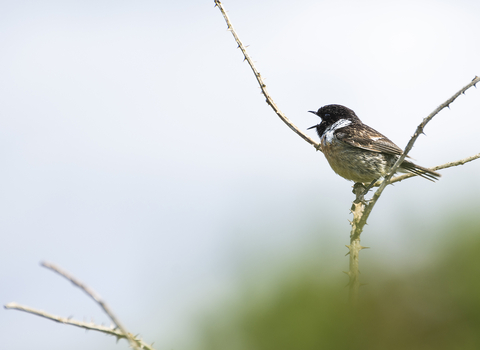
(327, 114)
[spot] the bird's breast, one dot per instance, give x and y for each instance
(353, 163)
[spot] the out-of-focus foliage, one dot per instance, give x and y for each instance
(433, 307)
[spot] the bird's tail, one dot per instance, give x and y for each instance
(420, 171)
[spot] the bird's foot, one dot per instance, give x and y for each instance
(359, 190)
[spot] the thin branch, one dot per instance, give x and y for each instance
(409, 146)
(91, 293)
(438, 167)
(420, 128)
(89, 326)
(260, 80)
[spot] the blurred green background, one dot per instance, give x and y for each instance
(435, 305)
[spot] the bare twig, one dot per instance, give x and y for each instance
(260, 80)
(409, 146)
(86, 325)
(420, 128)
(438, 167)
(91, 293)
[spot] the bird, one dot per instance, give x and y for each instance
(358, 152)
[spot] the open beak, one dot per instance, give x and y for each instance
(314, 125)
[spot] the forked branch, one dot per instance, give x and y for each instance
(361, 210)
(119, 330)
(409, 146)
(112, 330)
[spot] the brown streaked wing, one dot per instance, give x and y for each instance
(363, 136)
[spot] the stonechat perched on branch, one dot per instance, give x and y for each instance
(357, 152)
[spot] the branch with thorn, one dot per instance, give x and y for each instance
(260, 81)
(118, 330)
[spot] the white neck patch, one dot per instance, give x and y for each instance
(328, 134)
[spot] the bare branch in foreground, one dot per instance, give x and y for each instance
(86, 325)
(261, 82)
(91, 293)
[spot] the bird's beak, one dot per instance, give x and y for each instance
(314, 125)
